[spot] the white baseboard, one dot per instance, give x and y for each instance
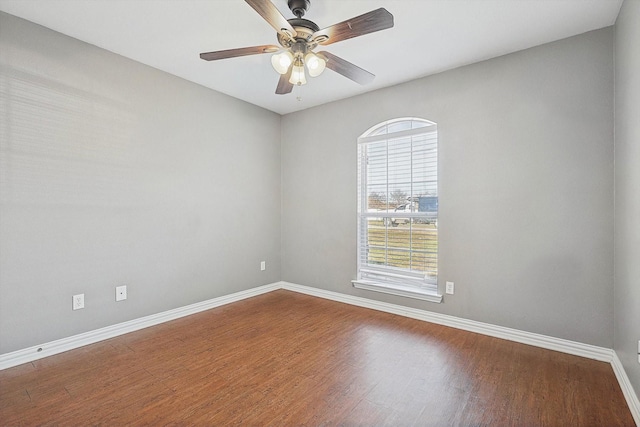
(30, 354)
(26, 355)
(54, 347)
(544, 341)
(627, 389)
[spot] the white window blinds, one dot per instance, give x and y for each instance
(398, 204)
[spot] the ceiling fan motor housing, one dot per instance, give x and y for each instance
(304, 30)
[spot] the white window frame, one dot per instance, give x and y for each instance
(387, 279)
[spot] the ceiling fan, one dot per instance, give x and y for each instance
(298, 37)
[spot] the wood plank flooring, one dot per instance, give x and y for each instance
(289, 359)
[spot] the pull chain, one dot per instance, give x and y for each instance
(298, 89)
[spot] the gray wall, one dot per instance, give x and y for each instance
(627, 200)
(115, 173)
(526, 188)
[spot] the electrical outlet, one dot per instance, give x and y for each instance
(78, 301)
(121, 293)
(263, 265)
(449, 289)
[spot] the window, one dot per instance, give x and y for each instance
(398, 209)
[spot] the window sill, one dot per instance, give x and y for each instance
(400, 290)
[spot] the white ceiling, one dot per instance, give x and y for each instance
(429, 36)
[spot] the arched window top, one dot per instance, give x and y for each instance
(398, 125)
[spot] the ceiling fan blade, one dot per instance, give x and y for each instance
(347, 69)
(272, 15)
(243, 51)
(284, 86)
(370, 22)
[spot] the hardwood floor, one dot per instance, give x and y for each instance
(289, 359)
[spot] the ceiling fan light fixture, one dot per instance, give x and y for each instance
(282, 61)
(298, 37)
(297, 75)
(315, 64)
